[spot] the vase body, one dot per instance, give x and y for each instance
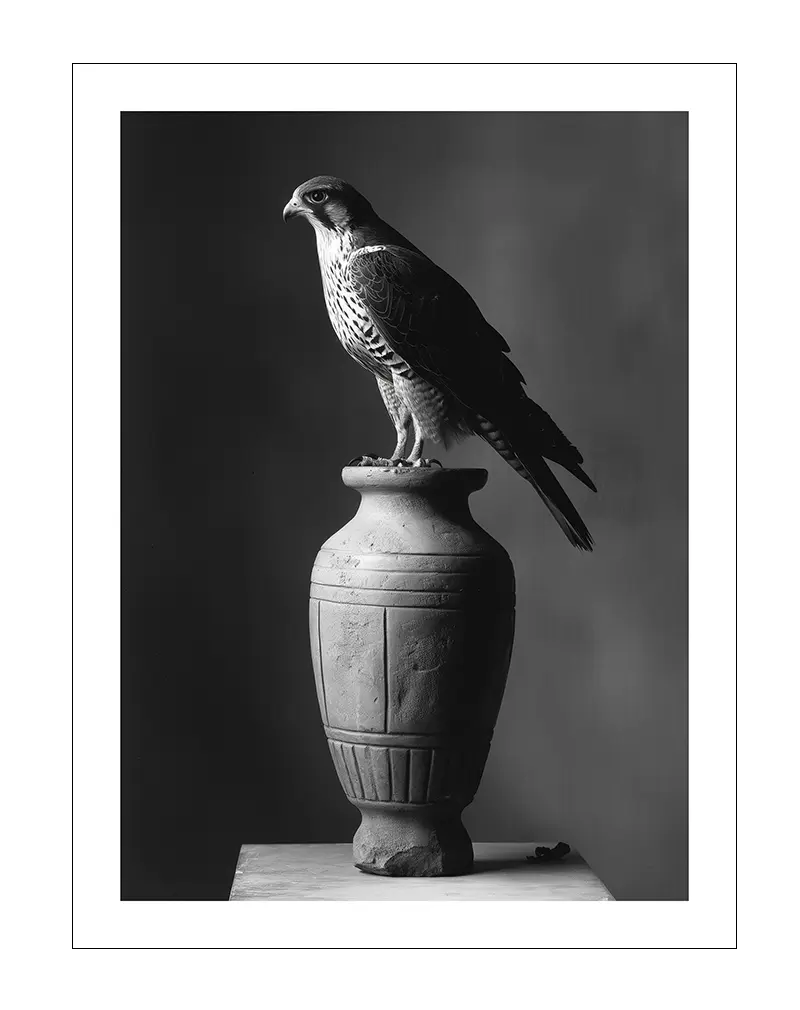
(412, 622)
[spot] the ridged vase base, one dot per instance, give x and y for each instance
(414, 841)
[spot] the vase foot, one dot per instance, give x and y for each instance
(412, 842)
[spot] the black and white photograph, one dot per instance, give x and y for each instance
(404, 506)
(404, 543)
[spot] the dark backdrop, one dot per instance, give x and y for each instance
(239, 409)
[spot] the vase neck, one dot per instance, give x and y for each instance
(419, 511)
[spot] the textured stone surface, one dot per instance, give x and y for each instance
(412, 841)
(411, 621)
(326, 873)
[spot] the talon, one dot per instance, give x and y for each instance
(369, 460)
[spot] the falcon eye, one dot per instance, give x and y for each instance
(318, 196)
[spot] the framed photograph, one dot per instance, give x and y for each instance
(405, 495)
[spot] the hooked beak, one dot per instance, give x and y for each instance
(292, 209)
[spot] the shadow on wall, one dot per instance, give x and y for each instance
(239, 409)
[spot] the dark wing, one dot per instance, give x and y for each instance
(421, 310)
(433, 324)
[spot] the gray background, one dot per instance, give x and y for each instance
(239, 409)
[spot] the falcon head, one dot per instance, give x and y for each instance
(328, 203)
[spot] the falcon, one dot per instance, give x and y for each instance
(441, 368)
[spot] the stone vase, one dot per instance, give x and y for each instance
(412, 622)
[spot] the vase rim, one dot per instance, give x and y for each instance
(405, 478)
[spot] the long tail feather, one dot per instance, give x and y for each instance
(555, 498)
(533, 468)
(529, 420)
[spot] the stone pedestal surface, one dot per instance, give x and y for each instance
(326, 873)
